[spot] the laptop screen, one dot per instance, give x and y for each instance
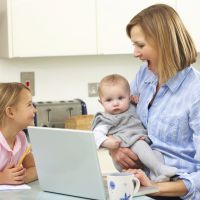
(67, 162)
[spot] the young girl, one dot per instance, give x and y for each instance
(16, 113)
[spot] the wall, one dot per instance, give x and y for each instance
(66, 78)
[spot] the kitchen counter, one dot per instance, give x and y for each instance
(35, 193)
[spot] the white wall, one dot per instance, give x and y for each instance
(66, 78)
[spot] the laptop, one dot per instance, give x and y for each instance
(67, 163)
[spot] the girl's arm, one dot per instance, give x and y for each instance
(29, 165)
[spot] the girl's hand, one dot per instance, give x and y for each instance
(13, 175)
(138, 173)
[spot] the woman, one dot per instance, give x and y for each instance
(169, 97)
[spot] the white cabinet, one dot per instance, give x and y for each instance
(31, 28)
(190, 14)
(112, 18)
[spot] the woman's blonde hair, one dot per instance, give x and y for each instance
(112, 80)
(163, 27)
(9, 96)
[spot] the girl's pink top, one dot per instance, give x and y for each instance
(12, 156)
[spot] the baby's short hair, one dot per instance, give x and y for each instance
(113, 79)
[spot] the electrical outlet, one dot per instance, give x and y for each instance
(28, 79)
(93, 89)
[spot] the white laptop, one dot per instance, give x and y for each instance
(67, 163)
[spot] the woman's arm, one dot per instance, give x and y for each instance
(29, 165)
(168, 189)
(171, 189)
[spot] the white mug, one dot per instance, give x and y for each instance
(122, 186)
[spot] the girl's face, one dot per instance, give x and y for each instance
(24, 111)
(115, 99)
(143, 49)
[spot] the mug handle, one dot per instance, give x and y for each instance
(136, 184)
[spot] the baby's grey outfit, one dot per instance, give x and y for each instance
(129, 129)
(125, 126)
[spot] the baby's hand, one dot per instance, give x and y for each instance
(134, 99)
(138, 173)
(111, 143)
(13, 175)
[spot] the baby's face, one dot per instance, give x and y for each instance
(115, 99)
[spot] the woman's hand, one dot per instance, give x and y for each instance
(134, 99)
(143, 178)
(125, 158)
(12, 175)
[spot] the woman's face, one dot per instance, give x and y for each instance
(143, 49)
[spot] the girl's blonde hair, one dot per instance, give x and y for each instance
(9, 96)
(163, 27)
(112, 80)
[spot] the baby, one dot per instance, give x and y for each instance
(119, 126)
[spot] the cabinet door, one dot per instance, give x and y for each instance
(112, 18)
(189, 12)
(53, 27)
